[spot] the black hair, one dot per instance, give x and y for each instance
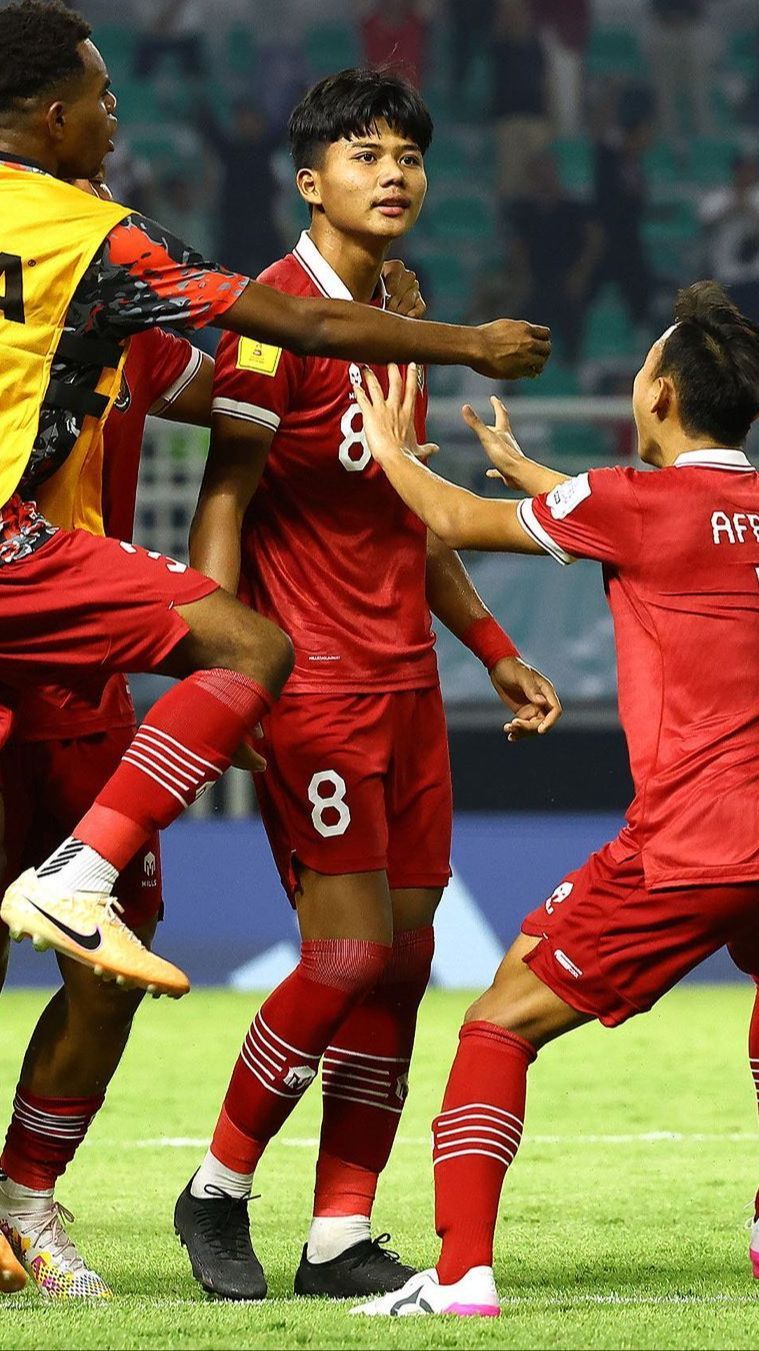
(350, 104)
(38, 42)
(713, 358)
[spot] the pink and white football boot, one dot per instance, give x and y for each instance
(474, 1295)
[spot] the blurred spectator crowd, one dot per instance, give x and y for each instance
(589, 155)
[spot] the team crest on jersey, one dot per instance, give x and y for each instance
(260, 357)
(124, 397)
(354, 374)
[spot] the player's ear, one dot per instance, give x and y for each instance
(307, 182)
(55, 120)
(663, 398)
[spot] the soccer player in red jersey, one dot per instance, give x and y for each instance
(680, 556)
(65, 745)
(71, 603)
(357, 797)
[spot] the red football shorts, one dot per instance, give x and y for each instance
(83, 601)
(358, 783)
(47, 786)
(610, 948)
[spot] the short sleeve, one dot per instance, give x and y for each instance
(144, 277)
(254, 381)
(174, 363)
(595, 515)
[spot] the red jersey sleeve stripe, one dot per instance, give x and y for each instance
(531, 525)
(248, 412)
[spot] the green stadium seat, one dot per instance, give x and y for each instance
(557, 381)
(332, 47)
(462, 219)
(241, 52)
(450, 284)
(711, 160)
(575, 162)
(615, 51)
(609, 332)
(583, 439)
(661, 166)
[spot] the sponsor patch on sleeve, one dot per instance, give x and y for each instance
(567, 496)
(257, 356)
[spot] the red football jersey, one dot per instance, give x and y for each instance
(680, 549)
(329, 550)
(158, 367)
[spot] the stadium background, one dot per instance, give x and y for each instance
(588, 158)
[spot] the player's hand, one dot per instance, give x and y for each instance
(388, 421)
(512, 348)
(498, 442)
(247, 757)
(404, 296)
(529, 694)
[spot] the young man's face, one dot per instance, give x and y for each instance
(372, 186)
(86, 123)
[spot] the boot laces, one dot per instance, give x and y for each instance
(48, 1231)
(225, 1225)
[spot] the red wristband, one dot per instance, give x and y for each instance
(488, 641)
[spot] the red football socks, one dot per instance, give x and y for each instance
(753, 1060)
(475, 1138)
(280, 1055)
(365, 1081)
(185, 744)
(44, 1135)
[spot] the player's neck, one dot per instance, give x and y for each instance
(357, 262)
(23, 146)
(669, 451)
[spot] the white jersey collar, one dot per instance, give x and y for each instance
(715, 459)
(322, 274)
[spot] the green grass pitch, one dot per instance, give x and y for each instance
(622, 1219)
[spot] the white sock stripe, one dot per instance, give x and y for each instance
(180, 762)
(138, 754)
(302, 1055)
(257, 1031)
(159, 781)
(43, 1120)
(485, 1153)
(353, 1097)
(346, 1067)
(62, 1131)
(152, 753)
(185, 750)
(353, 1088)
(380, 1086)
(503, 1150)
(505, 1134)
(387, 1059)
(256, 1075)
(257, 1046)
(486, 1106)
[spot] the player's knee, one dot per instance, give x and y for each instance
(410, 964)
(350, 964)
(265, 653)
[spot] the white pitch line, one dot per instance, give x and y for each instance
(422, 1141)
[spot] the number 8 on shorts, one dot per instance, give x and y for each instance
(325, 805)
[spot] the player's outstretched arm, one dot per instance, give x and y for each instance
(454, 600)
(459, 518)
(504, 350)
(509, 462)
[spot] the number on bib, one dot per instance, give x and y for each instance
(352, 428)
(325, 806)
(12, 298)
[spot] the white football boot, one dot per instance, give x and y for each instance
(36, 1231)
(85, 926)
(474, 1295)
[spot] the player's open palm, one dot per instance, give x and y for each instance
(530, 696)
(389, 421)
(498, 442)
